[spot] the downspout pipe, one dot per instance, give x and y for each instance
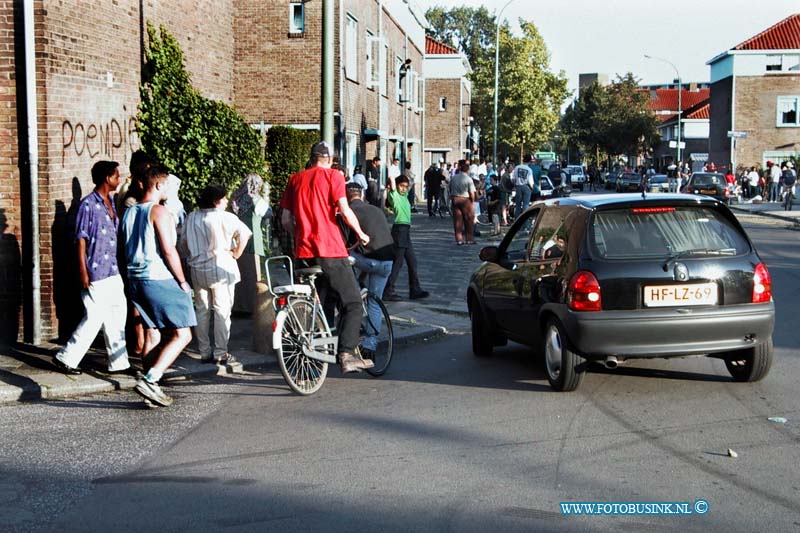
(29, 170)
(327, 70)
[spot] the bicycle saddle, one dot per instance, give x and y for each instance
(309, 271)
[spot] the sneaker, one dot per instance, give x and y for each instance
(227, 359)
(419, 295)
(349, 362)
(152, 392)
(62, 366)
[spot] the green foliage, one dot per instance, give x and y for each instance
(615, 119)
(529, 97)
(287, 153)
(200, 140)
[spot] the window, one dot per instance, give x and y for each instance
(787, 115)
(297, 18)
(372, 76)
(783, 63)
(420, 95)
(351, 49)
(443, 103)
(383, 65)
(352, 152)
(398, 65)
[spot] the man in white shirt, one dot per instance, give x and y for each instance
(752, 182)
(207, 237)
(774, 181)
(394, 169)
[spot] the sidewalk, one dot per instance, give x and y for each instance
(26, 372)
(769, 209)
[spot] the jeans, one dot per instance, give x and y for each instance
(106, 309)
(773, 191)
(377, 275)
(522, 198)
(403, 252)
(433, 201)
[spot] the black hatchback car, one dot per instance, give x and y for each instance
(615, 277)
(708, 183)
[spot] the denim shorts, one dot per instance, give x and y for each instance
(162, 303)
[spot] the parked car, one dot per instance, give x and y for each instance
(545, 187)
(710, 184)
(658, 183)
(610, 180)
(628, 182)
(557, 174)
(604, 279)
(577, 177)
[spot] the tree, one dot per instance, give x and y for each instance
(615, 119)
(529, 96)
(200, 140)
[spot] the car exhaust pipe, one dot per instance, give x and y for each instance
(612, 362)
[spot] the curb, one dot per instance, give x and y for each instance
(54, 385)
(767, 214)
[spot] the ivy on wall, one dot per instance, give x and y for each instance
(288, 152)
(201, 141)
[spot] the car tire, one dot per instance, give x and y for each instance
(560, 361)
(482, 345)
(752, 364)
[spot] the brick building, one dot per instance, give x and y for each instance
(87, 65)
(447, 103)
(278, 74)
(694, 124)
(755, 89)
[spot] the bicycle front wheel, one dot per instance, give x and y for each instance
(303, 374)
(376, 330)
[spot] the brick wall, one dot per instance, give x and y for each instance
(88, 71)
(442, 127)
(10, 216)
(756, 106)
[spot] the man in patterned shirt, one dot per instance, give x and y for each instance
(102, 290)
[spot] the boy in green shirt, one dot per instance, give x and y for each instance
(397, 201)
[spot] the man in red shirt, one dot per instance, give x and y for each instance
(310, 203)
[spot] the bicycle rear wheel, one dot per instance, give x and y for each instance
(376, 330)
(303, 374)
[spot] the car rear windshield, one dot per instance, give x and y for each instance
(707, 179)
(664, 232)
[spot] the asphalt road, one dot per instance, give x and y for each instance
(444, 441)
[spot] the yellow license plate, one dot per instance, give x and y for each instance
(680, 295)
(708, 191)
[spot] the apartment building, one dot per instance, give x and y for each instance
(755, 98)
(447, 103)
(378, 97)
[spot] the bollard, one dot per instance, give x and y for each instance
(263, 316)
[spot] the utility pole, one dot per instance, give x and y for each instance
(326, 111)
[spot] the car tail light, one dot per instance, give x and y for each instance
(583, 293)
(762, 284)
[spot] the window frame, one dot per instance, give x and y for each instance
(294, 30)
(369, 61)
(443, 104)
(779, 123)
(351, 48)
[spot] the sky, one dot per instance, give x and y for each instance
(612, 36)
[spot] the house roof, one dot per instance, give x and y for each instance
(703, 111)
(434, 47)
(699, 111)
(784, 35)
(667, 99)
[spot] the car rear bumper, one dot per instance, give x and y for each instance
(672, 332)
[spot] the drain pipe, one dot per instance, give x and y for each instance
(32, 172)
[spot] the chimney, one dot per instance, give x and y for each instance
(693, 87)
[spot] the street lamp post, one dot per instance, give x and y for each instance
(496, 80)
(680, 105)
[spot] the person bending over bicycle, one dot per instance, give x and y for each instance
(309, 204)
(374, 259)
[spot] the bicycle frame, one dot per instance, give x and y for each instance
(281, 305)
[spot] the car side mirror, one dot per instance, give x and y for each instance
(488, 253)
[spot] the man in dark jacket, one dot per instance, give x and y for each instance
(433, 187)
(373, 191)
(374, 260)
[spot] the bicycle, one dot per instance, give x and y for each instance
(302, 338)
(788, 196)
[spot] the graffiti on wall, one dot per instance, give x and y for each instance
(115, 138)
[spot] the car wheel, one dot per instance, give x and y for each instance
(752, 364)
(559, 360)
(481, 335)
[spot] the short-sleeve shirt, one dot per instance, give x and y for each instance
(311, 197)
(400, 206)
(99, 227)
(209, 234)
(461, 185)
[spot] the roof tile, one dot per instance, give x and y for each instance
(785, 35)
(434, 47)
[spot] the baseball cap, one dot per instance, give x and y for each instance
(321, 149)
